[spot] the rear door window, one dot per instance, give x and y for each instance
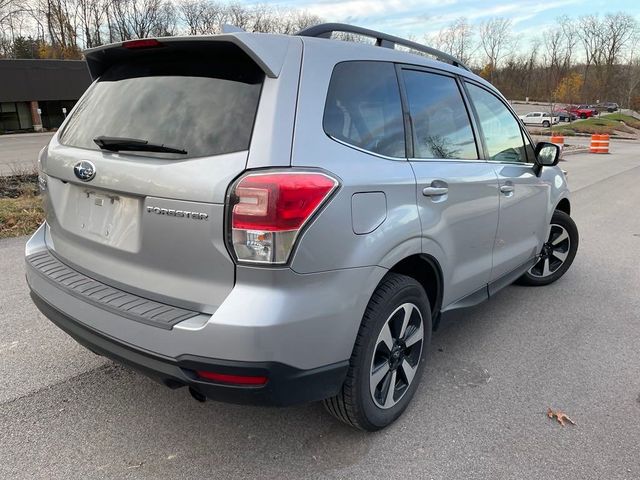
(363, 107)
(441, 124)
(204, 106)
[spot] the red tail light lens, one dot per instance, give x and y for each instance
(231, 379)
(143, 43)
(270, 209)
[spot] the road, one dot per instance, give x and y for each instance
(19, 151)
(480, 411)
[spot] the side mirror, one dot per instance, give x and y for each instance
(547, 155)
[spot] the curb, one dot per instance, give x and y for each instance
(574, 152)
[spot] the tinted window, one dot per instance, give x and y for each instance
(500, 128)
(441, 125)
(203, 107)
(363, 107)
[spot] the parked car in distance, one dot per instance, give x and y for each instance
(583, 111)
(237, 214)
(543, 119)
(564, 115)
(608, 107)
(611, 107)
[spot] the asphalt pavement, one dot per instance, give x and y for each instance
(19, 151)
(480, 411)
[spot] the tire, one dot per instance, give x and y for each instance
(366, 408)
(557, 253)
(546, 124)
(583, 116)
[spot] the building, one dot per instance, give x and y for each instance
(37, 94)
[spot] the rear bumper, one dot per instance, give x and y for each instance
(285, 386)
(298, 330)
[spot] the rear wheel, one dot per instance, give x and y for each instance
(557, 253)
(583, 116)
(388, 357)
(546, 124)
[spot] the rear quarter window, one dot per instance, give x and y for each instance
(363, 107)
(206, 106)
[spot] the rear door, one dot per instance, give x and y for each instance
(523, 195)
(153, 222)
(457, 191)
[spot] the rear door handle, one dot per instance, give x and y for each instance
(507, 188)
(434, 191)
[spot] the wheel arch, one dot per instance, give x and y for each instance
(426, 270)
(564, 205)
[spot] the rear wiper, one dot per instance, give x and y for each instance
(115, 144)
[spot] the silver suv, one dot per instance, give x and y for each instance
(275, 219)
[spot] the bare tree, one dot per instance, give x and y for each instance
(591, 37)
(58, 19)
(91, 16)
(456, 39)
(496, 40)
(202, 17)
(206, 17)
(569, 30)
(618, 30)
(141, 18)
(10, 13)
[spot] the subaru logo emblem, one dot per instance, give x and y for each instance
(85, 170)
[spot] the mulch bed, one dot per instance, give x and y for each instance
(15, 186)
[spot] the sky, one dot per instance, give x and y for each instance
(417, 17)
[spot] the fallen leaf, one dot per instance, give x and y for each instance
(560, 416)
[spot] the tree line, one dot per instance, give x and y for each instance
(62, 28)
(585, 59)
(582, 59)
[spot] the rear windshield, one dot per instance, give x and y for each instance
(204, 106)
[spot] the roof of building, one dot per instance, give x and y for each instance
(24, 80)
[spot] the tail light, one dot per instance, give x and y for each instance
(268, 211)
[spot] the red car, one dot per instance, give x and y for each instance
(582, 111)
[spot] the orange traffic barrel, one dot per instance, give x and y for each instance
(599, 143)
(557, 140)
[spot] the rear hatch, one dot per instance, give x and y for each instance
(151, 218)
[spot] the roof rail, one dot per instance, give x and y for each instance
(324, 30)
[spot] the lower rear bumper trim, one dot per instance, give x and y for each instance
(286, 385)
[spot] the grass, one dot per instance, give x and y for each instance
(21, 209)
(616, 122)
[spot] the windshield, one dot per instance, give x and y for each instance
(199, 105)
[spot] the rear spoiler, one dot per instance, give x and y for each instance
(266, 50)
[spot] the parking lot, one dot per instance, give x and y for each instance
(480, 411)
(19, 152)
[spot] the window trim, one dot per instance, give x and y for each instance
(523, 133)
(355, 147)
(400, 68)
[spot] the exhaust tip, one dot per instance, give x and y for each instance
(197, 395)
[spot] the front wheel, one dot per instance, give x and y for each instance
(557, 252)
(387, 359)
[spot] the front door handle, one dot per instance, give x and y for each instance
(434, 191)
(506, 189)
